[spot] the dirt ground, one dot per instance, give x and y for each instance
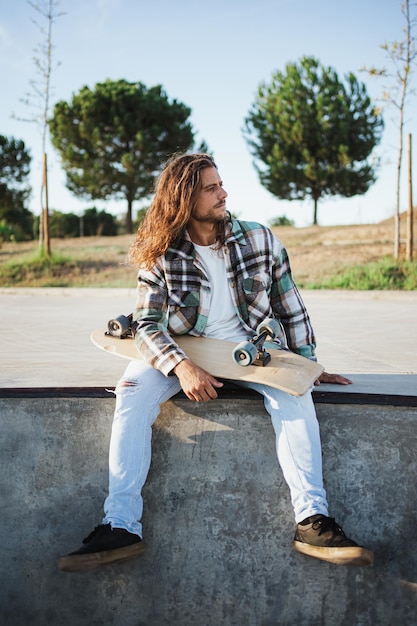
(316, 252)
(319, 252)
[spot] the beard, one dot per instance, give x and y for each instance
(211, 218)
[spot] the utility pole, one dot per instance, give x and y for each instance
(410, 215)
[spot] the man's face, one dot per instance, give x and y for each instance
(211, 199)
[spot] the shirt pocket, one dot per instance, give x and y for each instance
(257, 285)
(183, 310)
(256, 293)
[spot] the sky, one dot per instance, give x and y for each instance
(211, 56)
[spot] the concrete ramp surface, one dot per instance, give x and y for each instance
(218, 521)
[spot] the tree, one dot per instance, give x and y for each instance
(38, 98)
(14, 188)
(112, 140)
(281, 220)
(402, 55)
(99, 223)
(312, 135)
(64, 224)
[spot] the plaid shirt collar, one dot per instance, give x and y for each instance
(183, 248)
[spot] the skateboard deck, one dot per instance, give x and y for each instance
(286, 371)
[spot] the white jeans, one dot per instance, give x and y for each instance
(139, 394)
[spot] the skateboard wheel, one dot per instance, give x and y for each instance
(271, 326)
(245, 353)
(118, 326)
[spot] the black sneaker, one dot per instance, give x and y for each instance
(321, 537)
(104, 545)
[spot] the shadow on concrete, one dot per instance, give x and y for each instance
(218, 520)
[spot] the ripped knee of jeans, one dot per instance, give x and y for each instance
(125, 385)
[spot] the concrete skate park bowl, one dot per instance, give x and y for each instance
(218, 519)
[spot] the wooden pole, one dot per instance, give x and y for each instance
(45, 217)
(410, 216)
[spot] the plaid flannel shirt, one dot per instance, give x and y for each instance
(174, 296)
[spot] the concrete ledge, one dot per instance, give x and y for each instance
(218, 521)
(327, 394)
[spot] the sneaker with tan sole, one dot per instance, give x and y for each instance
(103, 546)
(322, 538)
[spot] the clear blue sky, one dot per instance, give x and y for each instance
(211, 56)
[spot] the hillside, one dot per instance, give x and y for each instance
(316, 252)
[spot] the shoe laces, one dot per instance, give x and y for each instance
(323, 524)
(93, 533)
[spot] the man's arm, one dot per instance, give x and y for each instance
(295, 319)
(288, 306)
(152, 338)
(158, 347)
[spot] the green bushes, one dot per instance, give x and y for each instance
(379, 275)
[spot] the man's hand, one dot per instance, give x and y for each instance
(196, 383)
(334, 379)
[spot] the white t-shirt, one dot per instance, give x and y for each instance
(223, 322)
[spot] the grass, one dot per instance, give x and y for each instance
(379, 275)
(101, 262)
(38, 270)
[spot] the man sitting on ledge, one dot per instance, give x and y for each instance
(200, 272)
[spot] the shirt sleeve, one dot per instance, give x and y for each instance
(152, 338)
(289, 308)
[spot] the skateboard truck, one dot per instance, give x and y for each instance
(121, 327)
(252, 352)
(263, 357)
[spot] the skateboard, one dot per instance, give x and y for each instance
(245, 361)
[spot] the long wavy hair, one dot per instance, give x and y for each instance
(166, 220)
